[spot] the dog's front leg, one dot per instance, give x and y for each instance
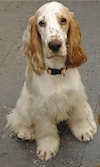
(82, 122)
(47, 139)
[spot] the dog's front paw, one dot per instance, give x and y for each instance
(47, 148)
(45, 153)
(26, 134)
(85, 132)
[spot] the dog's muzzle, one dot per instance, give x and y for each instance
(55, 45)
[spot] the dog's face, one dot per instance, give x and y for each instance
(53, 32)
(53, 24)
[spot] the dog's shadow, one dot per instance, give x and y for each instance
(63, 130)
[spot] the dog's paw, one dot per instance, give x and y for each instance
(45, 154)
(47, 149)
(26, 134)
(85, 132)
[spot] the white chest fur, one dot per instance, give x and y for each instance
(54, 93)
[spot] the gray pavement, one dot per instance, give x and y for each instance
(13, 21)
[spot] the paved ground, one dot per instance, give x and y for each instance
(13, 20)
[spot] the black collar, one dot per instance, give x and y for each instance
(54, 71)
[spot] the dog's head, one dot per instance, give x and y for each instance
(53, 32)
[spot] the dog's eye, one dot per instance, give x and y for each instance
(63, 21)
(42, 23)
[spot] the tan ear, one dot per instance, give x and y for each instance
(76, 53)
(32, 46)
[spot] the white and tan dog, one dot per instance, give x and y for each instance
(53, 90)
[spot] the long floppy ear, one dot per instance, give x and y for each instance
(76, 53)
(32, 46)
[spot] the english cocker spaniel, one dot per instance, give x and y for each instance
(53, 90)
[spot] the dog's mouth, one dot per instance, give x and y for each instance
(55, 55)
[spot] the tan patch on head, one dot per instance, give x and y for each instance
(64, 13)
(76, 54)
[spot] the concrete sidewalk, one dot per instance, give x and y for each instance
(13, 21)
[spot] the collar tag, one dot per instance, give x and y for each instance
(63, 71)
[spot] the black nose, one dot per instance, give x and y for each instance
(54, 45)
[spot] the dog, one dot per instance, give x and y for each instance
(53, 90)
